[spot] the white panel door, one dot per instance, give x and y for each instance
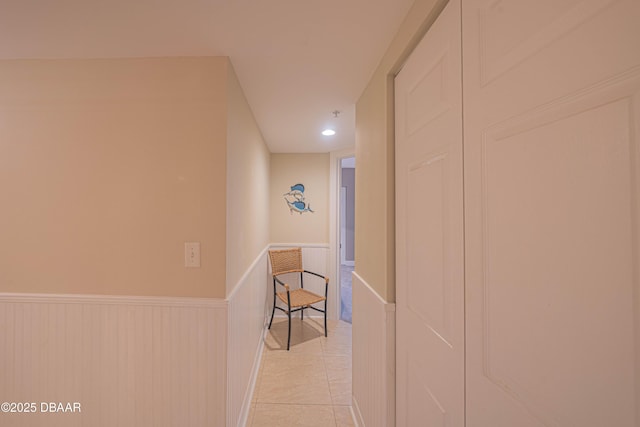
(429, 258)
(551, 110)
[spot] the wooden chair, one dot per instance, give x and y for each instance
(290, 261)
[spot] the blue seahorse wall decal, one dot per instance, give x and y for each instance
(296, 201)
(298, 187)
(299, 207)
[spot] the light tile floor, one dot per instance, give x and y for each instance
(310, 385)
(345, 292)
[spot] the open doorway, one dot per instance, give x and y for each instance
(346, 229)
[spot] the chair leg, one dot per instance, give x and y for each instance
(289, 335)
(302, 287)
(273, 310)
(289, 314)
(325, 317)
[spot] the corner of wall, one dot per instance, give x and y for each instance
(247, 183)
(375, 182)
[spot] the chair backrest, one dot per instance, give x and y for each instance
(286, 261)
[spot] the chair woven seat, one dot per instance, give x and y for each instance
(301, 298)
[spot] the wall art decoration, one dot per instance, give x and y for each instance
(296, 201)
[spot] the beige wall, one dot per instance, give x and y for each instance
(375, 219)
(106, 168)
(247, 185)
(312, 170)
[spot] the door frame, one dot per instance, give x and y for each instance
(335, 168)
(342, 224)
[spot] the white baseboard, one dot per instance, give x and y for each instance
(246, 405)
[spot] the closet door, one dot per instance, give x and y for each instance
(429, 258)
(552, 219)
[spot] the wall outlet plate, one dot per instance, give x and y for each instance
(192, 254)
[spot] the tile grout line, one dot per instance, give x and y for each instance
(324, 354)
(326, 373)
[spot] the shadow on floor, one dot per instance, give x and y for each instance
(301, 331)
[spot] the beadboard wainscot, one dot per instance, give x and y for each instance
(248, 318)
(128, 361)
(373, 400)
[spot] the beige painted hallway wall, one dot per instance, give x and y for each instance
(106, 168)
(247, 185)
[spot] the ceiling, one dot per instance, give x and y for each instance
(297, 60)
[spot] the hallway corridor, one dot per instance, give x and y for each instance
(310, 385)
(346, 298)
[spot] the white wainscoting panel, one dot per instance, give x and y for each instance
(129, 361)
(373, 357)
(315, 257)
(248, 314)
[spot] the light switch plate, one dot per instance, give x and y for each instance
(192, 254)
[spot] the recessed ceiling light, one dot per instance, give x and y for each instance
(328, 132)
